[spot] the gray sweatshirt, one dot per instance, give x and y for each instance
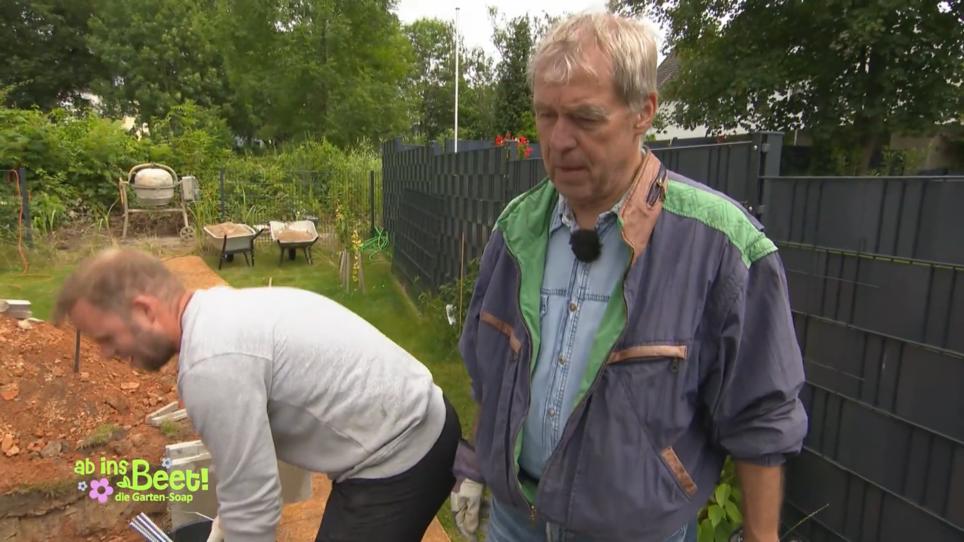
(280, 373)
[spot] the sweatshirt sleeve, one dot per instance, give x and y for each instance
(226, 400)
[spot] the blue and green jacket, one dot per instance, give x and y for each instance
(695, 358)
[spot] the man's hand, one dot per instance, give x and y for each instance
(466, 501)
(217, 535)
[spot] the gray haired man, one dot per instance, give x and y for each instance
(629, 327)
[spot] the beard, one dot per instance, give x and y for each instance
(154, 350)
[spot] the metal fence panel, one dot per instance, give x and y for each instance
(910, 217)
(418, 230)
(885, 372)
(853, 508)
(916, 301)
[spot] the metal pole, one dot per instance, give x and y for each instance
(457, 79)
(222, 194)
(371, 199)
(25, 201)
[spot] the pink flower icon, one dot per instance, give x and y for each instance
(100, 490)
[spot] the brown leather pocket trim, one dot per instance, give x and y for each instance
(677, 351)
(679, 471)
(514, 343)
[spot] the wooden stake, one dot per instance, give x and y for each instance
(341, 267)
(461, 279)
(361, 271)
(346, 270)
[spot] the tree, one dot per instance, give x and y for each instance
(46, 59)
(850, 72)
(515, 40)
(513, 105)
(432, 84)
(160, 55)
(316, 68)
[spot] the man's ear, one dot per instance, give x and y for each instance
(645, 117)
(144, 308)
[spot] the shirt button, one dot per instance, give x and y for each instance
(572, 307)
(552, 412)
(562, 360)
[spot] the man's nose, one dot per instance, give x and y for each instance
(563, 136)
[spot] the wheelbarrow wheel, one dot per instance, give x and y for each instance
(187, 233)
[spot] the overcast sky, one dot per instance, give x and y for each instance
(474, 23)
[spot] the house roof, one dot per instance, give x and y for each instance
(667, 69)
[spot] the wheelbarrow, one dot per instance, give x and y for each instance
(291, 236)
(230, 239)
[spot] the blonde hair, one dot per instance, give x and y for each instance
(629, 44)
(112, 278)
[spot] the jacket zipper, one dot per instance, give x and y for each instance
(515, 436)
(595, 380)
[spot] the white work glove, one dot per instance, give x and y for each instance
(466, 501)
(217, 535)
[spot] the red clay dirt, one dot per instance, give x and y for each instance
(49, 406)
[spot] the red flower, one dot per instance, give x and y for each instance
(499, 141)
(523, 140)
(527, 151)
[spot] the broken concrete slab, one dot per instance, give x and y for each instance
(16, 308)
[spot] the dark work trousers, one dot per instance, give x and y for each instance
(399, 508)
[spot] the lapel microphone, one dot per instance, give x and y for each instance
(585, 245)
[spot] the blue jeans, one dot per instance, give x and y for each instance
(506, 524)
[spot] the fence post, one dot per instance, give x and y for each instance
(767, 148)
(371, 199)
(222, 194)
(25, 201)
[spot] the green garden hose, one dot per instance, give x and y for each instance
(376, 243)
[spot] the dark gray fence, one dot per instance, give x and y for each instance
(876, 275)
(468, 189)
(734, 167)
(908, 217)
(475, 184)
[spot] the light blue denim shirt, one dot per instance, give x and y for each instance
(574, 299)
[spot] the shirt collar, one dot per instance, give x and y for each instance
(563, 215)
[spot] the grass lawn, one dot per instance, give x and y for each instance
(39, 284)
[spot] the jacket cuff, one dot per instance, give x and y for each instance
(466, 464)
(767, 460)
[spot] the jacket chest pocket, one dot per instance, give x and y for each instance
(656, 378)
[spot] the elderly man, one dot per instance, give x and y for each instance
(629, 327)
(279, 373)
